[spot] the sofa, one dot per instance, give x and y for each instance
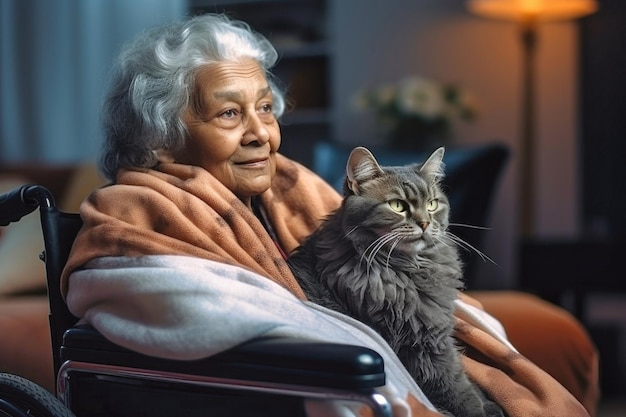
(546, 334)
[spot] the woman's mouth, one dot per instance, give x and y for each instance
(254, 163)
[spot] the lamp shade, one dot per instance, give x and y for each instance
(547, 10)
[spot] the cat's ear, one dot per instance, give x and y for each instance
(434, 166)
(361, 166)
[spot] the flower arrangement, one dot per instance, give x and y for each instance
(416, 112)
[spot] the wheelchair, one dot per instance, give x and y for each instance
(94, 377)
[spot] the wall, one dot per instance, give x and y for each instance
(56, 56)
(380, 41)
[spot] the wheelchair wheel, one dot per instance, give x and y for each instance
(20, 397)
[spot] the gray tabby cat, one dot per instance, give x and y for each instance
(385, 258)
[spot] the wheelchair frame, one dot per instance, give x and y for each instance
(271, 366)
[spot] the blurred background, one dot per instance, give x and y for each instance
(55, 56)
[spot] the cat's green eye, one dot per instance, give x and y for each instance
(433, 205)
(398, 206)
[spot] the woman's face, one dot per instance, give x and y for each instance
(234, 135)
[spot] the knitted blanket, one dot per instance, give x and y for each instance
(183, 211)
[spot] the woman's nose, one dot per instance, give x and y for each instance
(255, 130)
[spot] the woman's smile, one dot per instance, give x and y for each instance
(254, 162)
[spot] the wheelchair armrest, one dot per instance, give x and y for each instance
(270, 360)
(21, 201)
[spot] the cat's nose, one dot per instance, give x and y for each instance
(423, 225)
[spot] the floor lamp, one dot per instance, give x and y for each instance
(528, 14)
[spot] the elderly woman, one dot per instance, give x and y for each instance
(192, 118)
(183, 255)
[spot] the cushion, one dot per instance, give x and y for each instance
(549, 336)
(20, 246)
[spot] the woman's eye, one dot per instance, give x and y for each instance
(230, 118)
(265, 113)
(229, 114)
(398, 206)
(433, 205)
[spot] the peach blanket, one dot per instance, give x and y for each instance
(183, 210)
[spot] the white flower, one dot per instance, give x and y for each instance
(420, 97)
(417, 99)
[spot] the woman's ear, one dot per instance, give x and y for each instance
(163, 155)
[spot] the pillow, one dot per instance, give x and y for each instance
(21, 270)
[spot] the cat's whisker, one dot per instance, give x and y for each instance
(382, 242)
(451, 237)
(377, 249)
(370, 252)
(462, 243)
(379, 243)
(351, 231)
(469, 226)
(441, 240)
(367, 250)
(393, 246)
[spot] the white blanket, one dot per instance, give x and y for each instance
(188, 308)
